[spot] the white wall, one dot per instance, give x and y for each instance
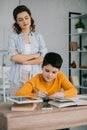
(6, 10)
(51, 18)
(6, 21)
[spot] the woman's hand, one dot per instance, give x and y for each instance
(27, 58)
(36, 55)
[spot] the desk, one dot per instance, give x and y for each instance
(42, 120)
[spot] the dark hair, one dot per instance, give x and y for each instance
(16, 11)
(53, 59)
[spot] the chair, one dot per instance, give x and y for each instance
(4, 81)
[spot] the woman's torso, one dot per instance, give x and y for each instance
(36, 44)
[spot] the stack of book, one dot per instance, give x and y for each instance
(80, 100)
(21, 103)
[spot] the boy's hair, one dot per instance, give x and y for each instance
(53, 59)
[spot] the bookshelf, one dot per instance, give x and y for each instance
(79, 54)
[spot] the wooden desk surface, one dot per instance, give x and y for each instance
(42, 120)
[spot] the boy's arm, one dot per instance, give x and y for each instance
(68, 88)
(57, 94)
(25, 90)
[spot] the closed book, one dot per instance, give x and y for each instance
(62, 104)
(24, 107)
(24, 99)
(73, 46)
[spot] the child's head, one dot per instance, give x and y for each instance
(51, 65)
(53, 59)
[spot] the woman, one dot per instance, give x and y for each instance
(26, 47)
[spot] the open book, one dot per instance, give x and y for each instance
(65, 102)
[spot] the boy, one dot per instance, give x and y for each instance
(51, 82)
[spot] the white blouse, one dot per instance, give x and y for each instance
(25, 71)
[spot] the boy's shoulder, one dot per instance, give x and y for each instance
(36, 77)
(61, 74)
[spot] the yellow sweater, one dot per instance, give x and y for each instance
(59, 83)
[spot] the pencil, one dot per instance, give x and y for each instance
(37, 88)
(45, 98)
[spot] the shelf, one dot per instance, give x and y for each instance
(78, 69)
(78, 51)
(84, 32)
(78, 17)
(81, 87)
(83, 66)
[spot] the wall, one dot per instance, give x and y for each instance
(6, 10)
(51, 18)
(6, 21)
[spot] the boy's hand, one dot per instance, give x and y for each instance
(41, 94)
(58, 94)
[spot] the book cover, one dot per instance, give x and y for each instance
(73, 46)
(24, 107)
